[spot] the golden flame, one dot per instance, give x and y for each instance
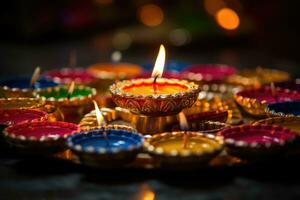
(99, 116)
(184, 126)
(35, 76)
(160, 62)
(71, 88)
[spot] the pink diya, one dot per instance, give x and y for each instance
(67, 75)
(208, 72)
(155, 96)
(254, 101)
(257, 141)
(39, 136)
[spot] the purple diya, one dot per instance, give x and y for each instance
(39, 137)
(67, 75)
(20, 86)
(258, 141)
(208, 72)
(254, 101)
(107, 147)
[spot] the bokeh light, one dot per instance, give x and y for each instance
(179, 37)
(227, 19)
(151, 15)
(121, 40)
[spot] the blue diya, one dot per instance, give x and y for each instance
(19, 86)
(106, 147)
(171, 65)
(289, 108)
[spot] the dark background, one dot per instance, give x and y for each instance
(35, 32)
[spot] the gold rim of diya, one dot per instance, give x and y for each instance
(73, 101)
(155, 104)
(223, 90)
(16, 92)
(158, 151)
(206, 127)
(21, 103)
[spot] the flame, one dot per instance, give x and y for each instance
(71, 88)
(99, 115)
(35, 76)
(160, 62)
(184, 126)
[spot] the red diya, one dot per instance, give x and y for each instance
(208, 72)
(258, 141)
(67, 75)
(254, 101)
(155, 96)
(39, 137)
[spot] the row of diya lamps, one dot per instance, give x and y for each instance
(33, 110)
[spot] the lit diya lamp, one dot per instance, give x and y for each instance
(208, 72)
(74, 100)
(183, 149)
(109, 146)
(254, 101)
(284, 109)
(155, 96)
(23, 86)
(265, 75)
(39, 137)
(53, 113)
(258, 142)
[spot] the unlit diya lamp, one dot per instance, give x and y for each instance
(254, 101)
(155, 96)
(74, 100)
(208, 72)
(284, 109)
(183, 149)
(258, 142)
(53, 113)
(23, 86)
(39, 137)
(107, 146)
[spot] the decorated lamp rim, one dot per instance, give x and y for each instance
(40, 101)
(281, 114)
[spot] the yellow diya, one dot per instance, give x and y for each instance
(155, 96)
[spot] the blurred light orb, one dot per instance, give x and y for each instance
(179, 37)
(151, 15)
(116, 56)
(213, 6)
(228, 19)
(121, 41)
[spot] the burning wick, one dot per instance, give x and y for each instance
(158, 66)
(71, 89)
(184, 126)
(35, 76)
(273, 91)
(101, 121)
(73, 58)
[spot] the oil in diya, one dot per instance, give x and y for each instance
(74, 100)
(155, 96)
(183, 149)
(106, 146)
(24, 86)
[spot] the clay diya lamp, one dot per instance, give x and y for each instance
(67, 75)
(39, 137)
(147, 125)
(155, 96)
(106, 147)
(108, 73)
(205, 127)
(21, 87)
(265, 75)
(258, 142)
(208, 72)
(73, 101)
(169, 151)
(284, 109)
(254, 101)
(53, 113)
(171, 66)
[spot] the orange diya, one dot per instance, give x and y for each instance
(155, 96)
